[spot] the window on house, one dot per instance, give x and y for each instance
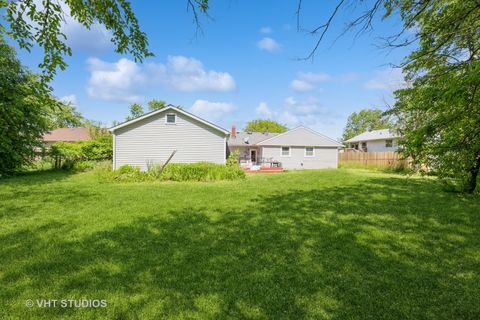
(388, 143)
(364, 146)
(309, 152)
(285, 151)
(171, 118)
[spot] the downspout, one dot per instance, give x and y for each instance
(114, 152)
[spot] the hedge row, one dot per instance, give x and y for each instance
(202, 171)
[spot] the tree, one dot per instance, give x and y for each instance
(24, 107)
(439, 111)
(136, 111)
(365, 120)
(261, 125)
(64, 115)
(156, 104)
(31, 23)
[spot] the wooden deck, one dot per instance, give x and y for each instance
(264, 170)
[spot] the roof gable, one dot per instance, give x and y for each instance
(167, 108)
(249, 138)
(301, 136)
(374, 135)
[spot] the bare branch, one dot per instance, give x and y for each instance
(299, 8)
(324, 28)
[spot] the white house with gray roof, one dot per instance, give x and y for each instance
(299, 148)
(375, 141)
(155, 136)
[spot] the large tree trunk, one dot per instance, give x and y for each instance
(472, 183)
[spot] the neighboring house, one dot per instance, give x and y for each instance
(66, 135)
(153, 137)
(375, 141)
(299, 148)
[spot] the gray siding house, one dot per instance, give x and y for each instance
(375, 141)
(153, 137)
(299, 148)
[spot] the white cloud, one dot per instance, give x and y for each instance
(266, 30)
(313, 77)
(268, 44)
(188, 74)
(126, 80)
(211, 110)
(95, 39)
(118, 81)
(295, 112)
(307, 107)
(264, 110)
(301, 85)
(69, 99)
(306, 81)
(349, 77)
(308, 112)
(387, 79)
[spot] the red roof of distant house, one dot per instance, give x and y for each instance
(67, 134)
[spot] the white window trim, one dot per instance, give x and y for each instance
(313, 152)
(289, 151)
(170, 114)
(386, 146)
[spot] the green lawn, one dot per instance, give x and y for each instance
(332, 244)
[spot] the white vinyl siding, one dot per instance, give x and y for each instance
(324, 157)
(381, 145)
(152, 140)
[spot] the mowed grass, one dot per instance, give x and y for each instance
(331, 244)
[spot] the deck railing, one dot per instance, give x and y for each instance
(262, 161)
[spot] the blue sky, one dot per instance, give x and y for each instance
(243, 66)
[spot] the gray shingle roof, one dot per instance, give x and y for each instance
(375, 135)
(252, 138)
(301, 136)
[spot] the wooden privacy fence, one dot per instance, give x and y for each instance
(374, 159)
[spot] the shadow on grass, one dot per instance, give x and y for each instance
(389, 249)
(30, 178)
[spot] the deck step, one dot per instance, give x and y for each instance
(264, 170)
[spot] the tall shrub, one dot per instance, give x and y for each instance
(23, 105)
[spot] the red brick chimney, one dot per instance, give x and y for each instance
(234, 132)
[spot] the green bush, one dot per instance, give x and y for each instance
(129, 173)
(98, 149)
(233, 159)
(65, 154)
(202, 171)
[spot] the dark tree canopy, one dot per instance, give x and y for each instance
(261, 125)
(439, 111)
(365, 120)
(64, 115)
(24, 110)
(136, 111)
(156, 104)
(30, 23)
